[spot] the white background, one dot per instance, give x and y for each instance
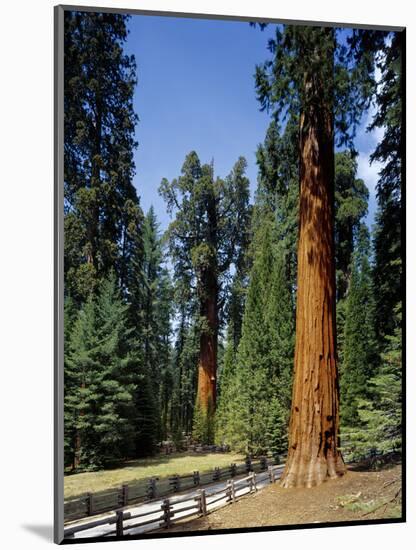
(26, 269)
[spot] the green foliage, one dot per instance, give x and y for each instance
(203, 428)
(211, 224)
(314, 71)
(127, 385)
(380, 414)
(342, 73)
(255, 382)
(389, 117)
(255, 389)
(389, 150)
(156, 314)
(100, 381)
(206, 237)
(183, 375)
(359, 342)
(388, 270)
(228, 414)
(278, 188)
(102, 213)
(351, 203)
(377, 424)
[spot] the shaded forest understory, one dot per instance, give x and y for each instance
(192, 331)
(357, 496)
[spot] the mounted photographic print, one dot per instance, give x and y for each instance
(229, 274)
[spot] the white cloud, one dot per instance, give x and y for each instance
(368, 172)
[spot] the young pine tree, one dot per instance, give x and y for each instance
(360, 349)
(380, 410)
(255, 392)
(99, 368)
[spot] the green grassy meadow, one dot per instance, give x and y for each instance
(136, 470)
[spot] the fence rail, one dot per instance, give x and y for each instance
(91, 504)
(168, 511)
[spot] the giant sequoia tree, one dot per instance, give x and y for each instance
(205, 239)
(313, 74)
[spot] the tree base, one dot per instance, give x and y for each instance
(311, 472)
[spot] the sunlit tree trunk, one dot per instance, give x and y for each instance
(313, 454)
(207, 362)
(208, 300)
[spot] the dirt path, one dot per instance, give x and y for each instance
(356, 496)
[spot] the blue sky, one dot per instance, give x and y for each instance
(196, 92)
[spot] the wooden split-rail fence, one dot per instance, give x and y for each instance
(91, 504)
(171, 511)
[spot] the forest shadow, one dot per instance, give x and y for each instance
(384, 462)
(131, 463)
(161, 459)
(156, 459)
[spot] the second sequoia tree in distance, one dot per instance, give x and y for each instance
(328, 85)
(208, 234)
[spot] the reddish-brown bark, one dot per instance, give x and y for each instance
(313, 454)
(207, 361)
(208, 307)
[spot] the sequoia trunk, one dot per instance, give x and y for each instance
(313, 454)
(207, 363)
(208, 301)
(207, 360)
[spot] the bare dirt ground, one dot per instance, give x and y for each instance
(359, 495)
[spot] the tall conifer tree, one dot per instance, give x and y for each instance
(205, 239)
(388, 271)
(360, 349)
(311, 75)
(100, 381)
(254, 403)
(102, 211)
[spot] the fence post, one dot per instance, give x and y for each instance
(151, 488)
(233, 491)
(196, 478)
(119, 523)
(198, 498)
(252, 482)
(203, 502)
(175, 482)
(271, 474)
(166, 513)
(233, 469)
(248, 463)
(89, 504)
(124, 495)
(263, 463)
(216, 474)
(228, 491)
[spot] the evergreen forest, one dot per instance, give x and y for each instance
(198, 331)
